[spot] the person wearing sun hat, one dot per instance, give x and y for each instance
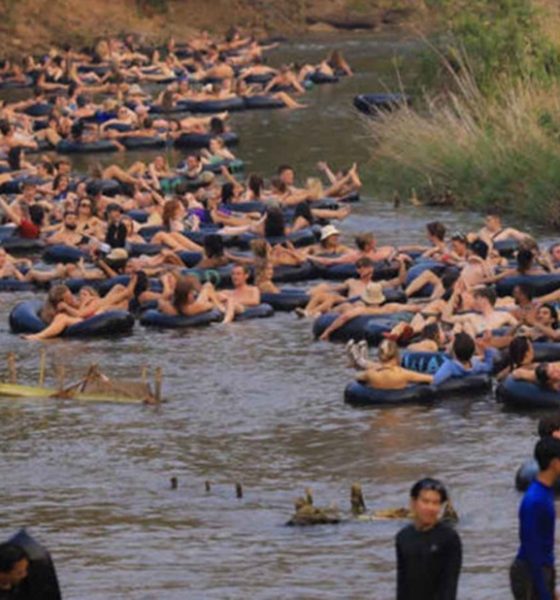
(373, 303)
(329, 242)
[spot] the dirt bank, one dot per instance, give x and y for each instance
(34, 25)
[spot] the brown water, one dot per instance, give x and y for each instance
(259, 403)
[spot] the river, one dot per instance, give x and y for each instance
(258, 403)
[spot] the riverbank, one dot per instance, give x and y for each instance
(34, 25)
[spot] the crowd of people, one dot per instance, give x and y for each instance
(152, 229)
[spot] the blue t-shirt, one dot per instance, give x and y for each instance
(452, 368)
(536, 533)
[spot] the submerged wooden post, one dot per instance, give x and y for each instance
(144, 374)
(158, 382)
(207, 487)
(239, 490)
(42, 361)
(12, 370)
(60, 375)
(174, 483)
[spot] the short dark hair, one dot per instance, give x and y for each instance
(10, 554)
(463, 347)
(518, 348)
(488, 292)
(546, 450)
(283, 168)
(429, 484)
(548, 425)
(436, 229)
(526, 289)
(480, 248)
(243, 266)
(364, 261)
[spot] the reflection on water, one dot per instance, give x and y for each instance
(261, 404)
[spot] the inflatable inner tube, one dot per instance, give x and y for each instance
(287, 299)
(541, 284)
(262, 311)
(155, 318)
(68, 147)
(370, 328)
(24, 318)
(60, 253)
(358, 394)
(264, 101)
(423, 362)
(515, 393)
(371, 104)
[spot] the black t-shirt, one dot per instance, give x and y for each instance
(428, 563)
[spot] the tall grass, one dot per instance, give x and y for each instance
(473, 151)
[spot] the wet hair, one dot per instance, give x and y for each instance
(14, 158)
(388, 350)
(541, 374)
(10, 555)
(525, 260)
(488, 292)
(518, 349)
(431, 332)
(549, 425)
(553, 313)
(303, 210)
(36, 214)
(77, 130)
(479, 248)
(227, 192)
(168, 211)
(5, 127)
(546, 450)
(214, 246)
(283, 169)
(527, 290)
(56, 294)
(185, 286)
(364, 261)
(429, 485)
(216, 126)
(255, 183)
(363, 239)
(436, 229)
(274, 225)
(142, 284)
(463, 347)
(242, 266)
(48, 167)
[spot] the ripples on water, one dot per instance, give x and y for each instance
(258, 403)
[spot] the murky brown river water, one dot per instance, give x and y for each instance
(259, 403)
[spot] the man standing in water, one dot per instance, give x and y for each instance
(532, 573)
(429, 552)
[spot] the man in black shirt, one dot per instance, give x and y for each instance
(13, 570)
(428, 551)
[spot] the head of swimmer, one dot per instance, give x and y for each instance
(427, 501)
(548, 375)
(287, 174)
(364, 266)
(239, 275)
(493, 222)
(70, 220)
(547, 455)
(14, 565)
(365, 242)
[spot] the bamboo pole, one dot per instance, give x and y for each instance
(158, 384)
(42, 362)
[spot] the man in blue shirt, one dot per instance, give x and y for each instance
(463, 363)
(532, 573)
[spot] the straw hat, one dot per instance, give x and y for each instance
(117, 254)
(373, 294)
(327, 231)
(135, 90)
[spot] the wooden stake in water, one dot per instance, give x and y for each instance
(42, 362)
(174, 483)
(12, 370)
(239, 490)
(207, 487)
(158, 383)
(60, 375)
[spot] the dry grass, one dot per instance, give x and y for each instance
(474, 152)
